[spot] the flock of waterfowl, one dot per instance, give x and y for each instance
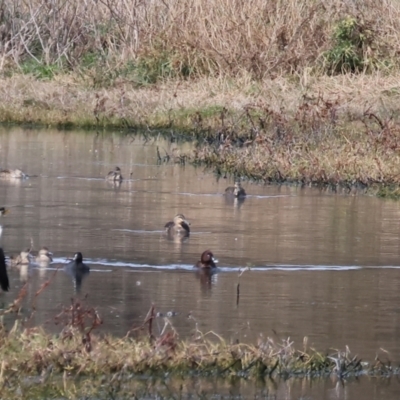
(178, 227)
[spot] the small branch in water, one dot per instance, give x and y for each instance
(241, 272)
(149, 318)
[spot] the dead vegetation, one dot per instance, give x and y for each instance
(315, 144)
(144, 41)
(75, 358)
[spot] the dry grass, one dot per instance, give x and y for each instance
(189, 37)
(340, 131)
(79, 361)
(67, 101)
(276, 91)
(77, 351)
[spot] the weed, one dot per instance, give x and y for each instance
(354, 48)
(39, 70)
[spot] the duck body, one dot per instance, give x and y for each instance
(43, 257)
(23, 258)
(77, 269)
(179, 226)
(4, 282)
(207, 260)
(12, 174)
(4, 211)
(77, 263)
(235, 191)
(115, 175)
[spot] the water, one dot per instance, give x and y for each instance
(323, 265)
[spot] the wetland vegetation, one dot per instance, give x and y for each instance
(78, 361)
(273, 91)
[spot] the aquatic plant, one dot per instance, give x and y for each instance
(78, 352)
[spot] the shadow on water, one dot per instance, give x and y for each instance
(322, 265)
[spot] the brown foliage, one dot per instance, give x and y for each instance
(186, 37)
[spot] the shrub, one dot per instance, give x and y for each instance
(354, 48)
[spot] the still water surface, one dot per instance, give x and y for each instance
(323, 265)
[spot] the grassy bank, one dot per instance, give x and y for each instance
(282, 92)
(339, 132)
(77, 360)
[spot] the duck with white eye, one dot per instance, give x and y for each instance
(205, 269)
(207, 261)
(78, 270)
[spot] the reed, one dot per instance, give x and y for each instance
(148, 40)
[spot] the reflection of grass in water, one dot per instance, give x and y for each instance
(48, 365)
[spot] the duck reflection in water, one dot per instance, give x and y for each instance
(177, 230)
(77, 270)
(206, 268)
(207, 278)
(3, 211)
(236, 202)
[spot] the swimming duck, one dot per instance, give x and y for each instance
(207, 260)
(77, 270)
(236, 191)
(77, 263)
(23, 258)
(115, 175)
(12, 174)
(4, 282)
(43, 257)
(4, 211)
(179, 226)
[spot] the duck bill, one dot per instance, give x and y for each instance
(215, 260)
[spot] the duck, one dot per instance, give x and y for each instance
(77, 263)
(77, 269)
(43, 257)
(236, 191)
(4, 282)
(12, 174)
(207, 260)
(23, 258)
(4, 211)
(179, 226)
(115, 175)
